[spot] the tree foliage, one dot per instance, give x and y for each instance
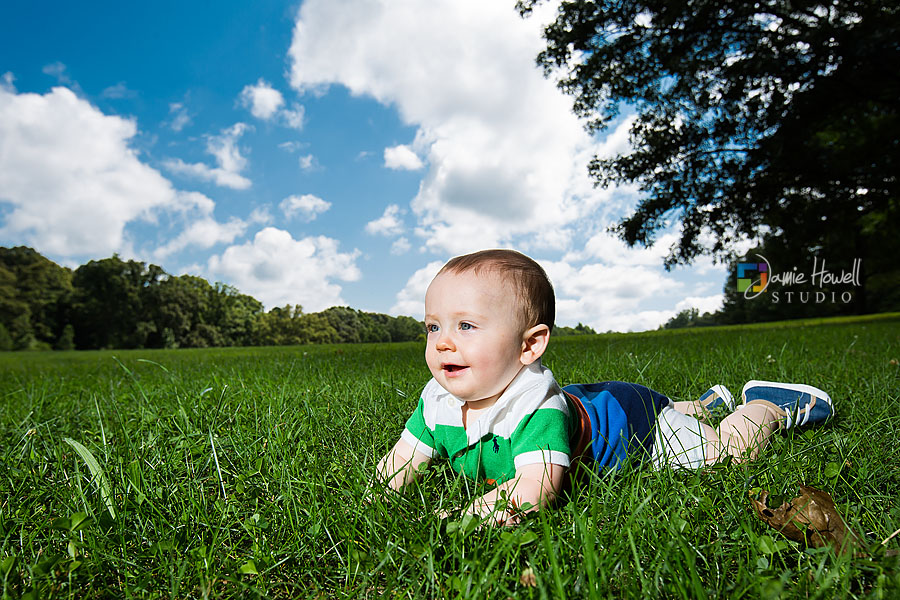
(579, 329)
(689, 317)
(777, 115)
(34, 295)
(289, 326)
(113, 303)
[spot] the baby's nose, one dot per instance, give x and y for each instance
(445, 343)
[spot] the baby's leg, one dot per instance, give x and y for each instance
(743, 433)
(767, 407)
(691, 408)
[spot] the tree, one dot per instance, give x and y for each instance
(234, 313)
(689, 317)
(580, 329)
(315, 329)
(176, 305)
(346, 322)
(204, 335)
(289, 326)
(405, 329)
(110, 303)
(354, 326)
(375, 327)
(34, 296)
(66, 339)
(6, 342)
(188, 311)
(776, 115)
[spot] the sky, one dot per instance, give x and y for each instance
(317, 153)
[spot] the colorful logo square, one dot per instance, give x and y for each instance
(745, 276)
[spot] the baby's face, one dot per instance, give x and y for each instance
(475, 337)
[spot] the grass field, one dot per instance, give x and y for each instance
(241, 473)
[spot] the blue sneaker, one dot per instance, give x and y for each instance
(796, 403)
(716, 397)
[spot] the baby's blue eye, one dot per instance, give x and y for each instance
(431, 328)
(465, 326)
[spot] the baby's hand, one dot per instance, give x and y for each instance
(378, 491)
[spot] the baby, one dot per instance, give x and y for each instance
(498, 415)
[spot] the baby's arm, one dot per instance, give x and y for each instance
(400, 465)
(537, 485)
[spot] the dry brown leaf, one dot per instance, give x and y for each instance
(811, 519)
(527, 578)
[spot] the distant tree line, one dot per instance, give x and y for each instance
(113, 303)
(577, 330)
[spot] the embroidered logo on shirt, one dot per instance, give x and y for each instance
(496, 446)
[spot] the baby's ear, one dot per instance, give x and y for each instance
(534, 343)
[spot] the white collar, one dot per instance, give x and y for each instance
(533, 384)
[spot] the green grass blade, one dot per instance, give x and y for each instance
(97, 473)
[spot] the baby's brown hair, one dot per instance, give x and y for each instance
(533, 288)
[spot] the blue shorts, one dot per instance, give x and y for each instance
(622, 420)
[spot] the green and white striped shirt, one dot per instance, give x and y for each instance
(529, 424)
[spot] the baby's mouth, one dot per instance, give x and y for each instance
(453, 368)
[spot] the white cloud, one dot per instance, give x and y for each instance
(218, 176)
(402, 158)
(411, 299)
(389, 223)
(69, 181)
(294, 116)
(201, 229)
(609, 248)
(503, 157)
(228, 156)
(704, 304)
(262, 99)
(224, 148)
(400, 246)
(607, 295)
(644, 320)
(506, 158)
(204, 233)
(279, 270)
(308, 163)
(611, 286)
(57, 70)
(265, 103)
(611, 296)
(618, 141)
(118, 91)
(307, 207)
(74, 184)
(261, 215)
(179, 116)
